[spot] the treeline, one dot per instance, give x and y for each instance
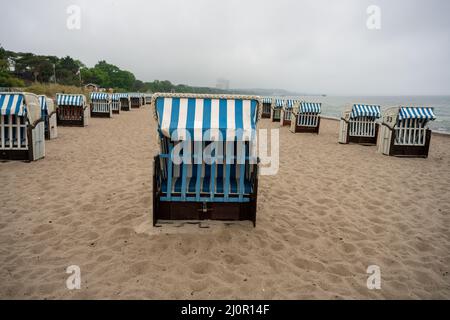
(18, 69)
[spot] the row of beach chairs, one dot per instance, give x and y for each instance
(401, 131)
(27, 120)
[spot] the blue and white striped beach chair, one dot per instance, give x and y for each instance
(124, 101)
(405, 132)
(72, 110)
(286, 112)
(22, 129)
(48, 114)
(266, 107)
(115, 103)
(277, 105)
(216, 176)
(358, 124)
(136, 100)
(306, 117)
(101, 105)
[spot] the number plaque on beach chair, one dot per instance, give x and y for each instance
(306, 117)
(22, 129)
(405, 132)
(358, 124)
(206, 168)
(48, 114)
(72, 110)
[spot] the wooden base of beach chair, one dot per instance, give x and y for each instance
(100, 115)
(275, 119)
(125, 109)
(285, 123)
(116, 111)
(410, 151)
(25, 155)
(265, 115)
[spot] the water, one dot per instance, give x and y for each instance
(334, 105)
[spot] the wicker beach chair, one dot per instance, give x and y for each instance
(124, 101)
(405, 132)
(135, 100)
(22, 128)
(266, 108)
(286, 112)
(218, 177)
(359, 125)
(277, 105)
(101, 105)
(306, 117)
(115, 103)
(48, 114)
(72, 110)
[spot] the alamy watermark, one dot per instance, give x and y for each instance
(74, 280)
(374, 280)
(374, 17)
(73, 21)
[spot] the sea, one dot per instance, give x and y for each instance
(333, 106)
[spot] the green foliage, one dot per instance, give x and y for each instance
(18, 69)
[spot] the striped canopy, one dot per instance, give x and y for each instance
(310, 107)
(70, 99)
(267, 100)
(290, 103)
(99, 96)
(279, 103)
(12, 104)
(206, 117)
(115, 97)
(416, 113)
(122, 95)
(135, 95)
(43, 103)
(365, 110)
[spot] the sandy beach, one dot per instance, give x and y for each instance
(330, 212)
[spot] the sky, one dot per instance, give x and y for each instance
(304, 46)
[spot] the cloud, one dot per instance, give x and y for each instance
(314, 46)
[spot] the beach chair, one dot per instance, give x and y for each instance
(135, 100)
(72, 110)
(358, 124)
(405, 133)
(266, 108)
(124, 99)
(147, 98)
(306, 117)
(22, 129)
(286, 112)
(48, 114)
(217, 178)
(101, 105)
(115, 103)
(277, 105)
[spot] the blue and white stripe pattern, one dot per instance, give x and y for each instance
(310, 107)
(279, 103)
(135, 95)
(267, 100)
(416, 113)
(43, 103)
(290, 103)
(365, 110)
(70, 100)
(115, 97)
(99, 96)
(206, 119)
(122, 95)
(12, 104)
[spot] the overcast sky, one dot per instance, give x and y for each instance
(308, 46)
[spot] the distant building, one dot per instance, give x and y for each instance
(91, 87)
(223, 84)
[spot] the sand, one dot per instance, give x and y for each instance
(331, 211)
